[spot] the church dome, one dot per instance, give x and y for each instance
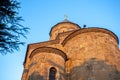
(61, 27)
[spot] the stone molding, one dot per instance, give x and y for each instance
(48, 50)
(85, 30)
(45, 43)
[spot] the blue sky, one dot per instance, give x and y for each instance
(41, 15)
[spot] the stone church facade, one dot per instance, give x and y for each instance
(74, 53)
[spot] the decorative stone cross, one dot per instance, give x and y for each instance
(65, 16)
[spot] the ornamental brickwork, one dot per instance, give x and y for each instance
(74, 53)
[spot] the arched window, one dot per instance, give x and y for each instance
(52, 73)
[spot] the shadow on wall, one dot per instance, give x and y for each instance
(94, 70)
(62, 73)
(35, 76)
(90, 70)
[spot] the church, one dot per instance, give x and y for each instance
(74, 53)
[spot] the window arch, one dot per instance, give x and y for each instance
(52, 73)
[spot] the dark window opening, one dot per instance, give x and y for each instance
(52, 73)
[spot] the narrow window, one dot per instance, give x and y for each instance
(52, 73)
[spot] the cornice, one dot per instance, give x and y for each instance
(48, 50)
(86, 30)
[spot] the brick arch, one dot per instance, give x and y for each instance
(48, 50)
(85, 30)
